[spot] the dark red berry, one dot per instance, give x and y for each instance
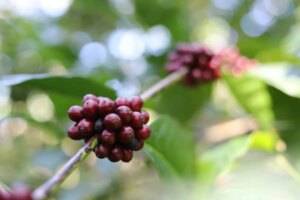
(98, 127)
(136, 144)
(136, 103)
(89, 96)
(108, 138)
(124, 113)
(102, 151)
(20, 193)
(105, 106)
(74, 133)
(115, 155)
(112, 121)
(126, 135)
(136, 120)
(90, 109)
(127, 155)
(86, 127)
(145, 116)
(75, 113)
(143, 133)
(122, 101)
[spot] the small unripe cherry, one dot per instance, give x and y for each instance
(136, 120)
(122, 101)
(108, 138)
(102, 151)
(89, 96)
(90, 109)
(143, 133)
(127, 155)
(75, 113)
(86, 127)
(124, 113)
(74, 133)
(136, 103)
(126, 135)
(115, 155)
(145, 116)
(105, 106)
(112, 121)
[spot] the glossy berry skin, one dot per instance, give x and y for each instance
(86, 127)
(122, 101)
(115, 155)
(105, 106)
(75, 113)
(143, 133)
(108, 137)
(102, 151)
(127, 155)
(137, 120)
(112, 121)
(124, 113)
(136, 103)
(90, 109)
(145, 116)
(126, 135)
(73, 133)
(89, 96)
(136, 144)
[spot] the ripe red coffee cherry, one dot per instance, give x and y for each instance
(4, 195)
(86, 127)
(145, 116)
(105, 105)
(89, 96)
(75, 113)
(112, 121)
(98, 127)
(136, 144)
(108, 138)
(122, 101)
(115, 155)
(73, 133)
(124, 113)
(20, 193)
(126, 135)
(136, 120)
(127, 155)
(143, 133)
(136, 103)
(102, 151)
(90, 109)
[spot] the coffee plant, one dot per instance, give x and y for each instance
(132, 99)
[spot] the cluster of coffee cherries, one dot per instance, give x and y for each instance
(199, 62)
(120, 125)
(17, 193)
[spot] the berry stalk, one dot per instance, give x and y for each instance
(45, 189)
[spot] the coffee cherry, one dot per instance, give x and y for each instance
(102, 151)
(4, 195)
(137, 120)
(124, 113)
(136, 103)
(89, 96)
(122, 101)
(86, 127)
(126, 135)
(115, 155)
(143, 133)
(90, 109)
(112, 121)
(98, 127)
(74, 133)
(75, 113)
(105, 105)
(127, 155)
(145, 116)
(135, 144)
(20, 193)
(108, 137)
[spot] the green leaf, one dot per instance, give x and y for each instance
(181, 102)
(252, 94)
(282, 76)
(171, 148)
(220, 158)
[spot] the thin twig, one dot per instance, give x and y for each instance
(44, 190)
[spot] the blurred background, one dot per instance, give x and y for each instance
(53, 52)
